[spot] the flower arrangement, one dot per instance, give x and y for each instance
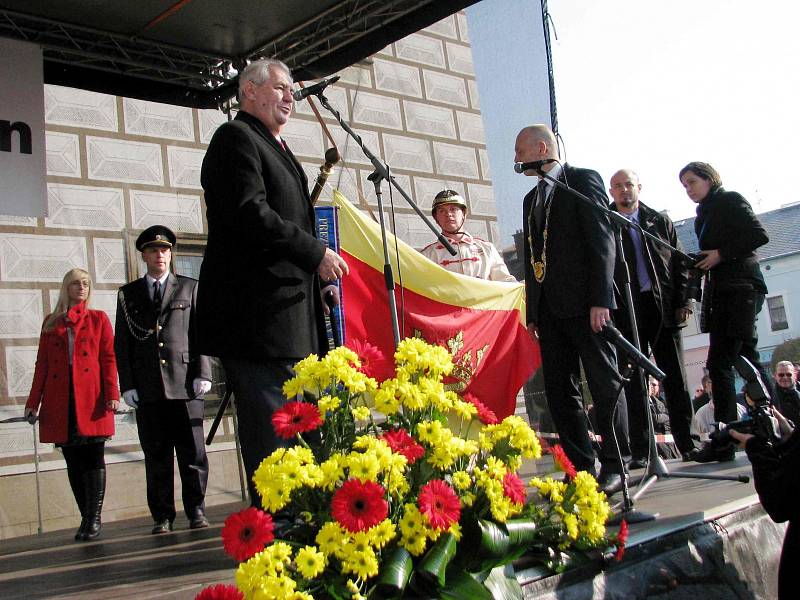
(397, 487)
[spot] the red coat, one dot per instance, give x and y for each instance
(94, 377)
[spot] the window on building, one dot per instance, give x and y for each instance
(777, 313)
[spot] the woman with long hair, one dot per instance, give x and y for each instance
(74, 393)
(728, 233)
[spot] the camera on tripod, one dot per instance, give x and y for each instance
(759, 420)
(694, 289)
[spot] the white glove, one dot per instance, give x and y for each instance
(200, 387)
(131, 398)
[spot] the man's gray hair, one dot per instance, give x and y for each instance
(785, 363)
(258, 72)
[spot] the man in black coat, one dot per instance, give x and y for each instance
(569, 270)
(658, 286)
(787, 398)
(259, 304)
(164, 377)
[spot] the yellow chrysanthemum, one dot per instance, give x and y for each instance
(310, 562)
(461, 480)
(360, 413)
(329, 538)
(363, 467)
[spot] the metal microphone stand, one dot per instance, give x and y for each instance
(380, 174)
(656, 468)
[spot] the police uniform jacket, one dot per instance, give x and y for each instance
(259, 293)
(157, 354)
(668, 273)
(93, 375)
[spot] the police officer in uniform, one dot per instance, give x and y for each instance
(475, 257)
(164, 378)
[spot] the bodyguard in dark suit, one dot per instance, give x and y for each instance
(569, 269)
(658, 286)
(164, 377)
(259, 303)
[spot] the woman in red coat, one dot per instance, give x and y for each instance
(74, 393)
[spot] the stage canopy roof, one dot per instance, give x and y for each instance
(187, 52)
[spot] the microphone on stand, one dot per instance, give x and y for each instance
(535, 165)
(315, 89)
(331, 158)
(613, 335)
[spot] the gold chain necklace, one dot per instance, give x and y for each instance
(539, 266)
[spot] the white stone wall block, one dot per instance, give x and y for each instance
(158, 120)
(403, 152)
(429, 119)
(494, 230)
(396, 77)
(351, 153)
(63, 154)
(179, 212)
(106, 300)
(109, 260)
(483, 158)
(463, 31)
(21, 313)
(445, 88)
(460, 58)
(478, 227)
(399, 202)
(380, 111)
(427, 189)
(17, 220)
(422, 49)
(455, 160)
(20, 364)
(304, 138)
(474, 96)
(337, 97)
(357, 75)
(346, 181)
(85, 207)
(446, 27)
(470, 127)
(27, 257)
(79, 108)
(124, 160)
(184, 166)
(412, 230)
(481, 199)
(209, 120)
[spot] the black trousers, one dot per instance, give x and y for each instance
(565, 344)
(166, 426)
(667, 348)
(258, 393)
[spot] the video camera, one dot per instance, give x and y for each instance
(694, 290)
(759, 420)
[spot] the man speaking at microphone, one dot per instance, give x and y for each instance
(259, 303)
(569, 271)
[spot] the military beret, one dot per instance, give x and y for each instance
(156, 235)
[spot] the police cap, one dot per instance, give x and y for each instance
(156, 235)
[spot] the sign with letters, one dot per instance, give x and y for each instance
(23, 185)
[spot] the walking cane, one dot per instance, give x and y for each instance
(32, 421)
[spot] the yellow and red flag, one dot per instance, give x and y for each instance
(480, 321)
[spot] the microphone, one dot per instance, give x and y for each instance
(536, 164)
(613, 335)
(315, 89)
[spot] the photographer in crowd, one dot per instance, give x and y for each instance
(728, 234)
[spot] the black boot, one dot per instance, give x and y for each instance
(95, 492)
(79, 492)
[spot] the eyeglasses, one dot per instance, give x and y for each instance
(783, 374)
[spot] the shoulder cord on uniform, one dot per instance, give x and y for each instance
(137, 331)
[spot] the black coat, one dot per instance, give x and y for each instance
(668, 273)
(167, 361)
(259, 293)
(580, 250)
(788, 402)
(725, 222)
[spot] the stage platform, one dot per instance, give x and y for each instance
(710, 540)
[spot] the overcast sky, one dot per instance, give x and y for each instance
(652, 85)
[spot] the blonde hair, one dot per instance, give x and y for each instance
(62, 306)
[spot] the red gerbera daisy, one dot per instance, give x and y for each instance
(358, 506)
(402, 443)
(562, 461)
(514, 488)
(622, 539)
(374, 362)
(247, 532)
(220, 592)
(439, 503)
(485, 414)
(294, 418)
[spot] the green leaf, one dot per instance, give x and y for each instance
(464, 586)
(494, 541)
(394, 574)
(433, 566)
(503, 584)
(522, 532)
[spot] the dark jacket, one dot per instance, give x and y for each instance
(159, 359)
(580, 250)
(667, 271)
(259, 293)
(94, 376)
(788, 402)
(725, 222)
